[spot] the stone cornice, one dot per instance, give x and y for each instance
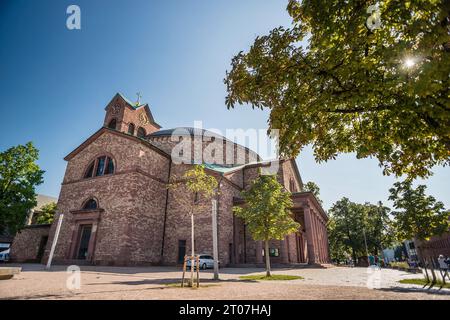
(307, 195)
(133, 170)
(306, 199)
(103, 130)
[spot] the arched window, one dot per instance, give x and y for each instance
(91, 204)
(90, 170)
(112, 124)
(131, 129)
(141, 133)
(99, 167)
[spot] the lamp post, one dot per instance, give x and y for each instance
(365, 242)
(215, 244)
(55, 240)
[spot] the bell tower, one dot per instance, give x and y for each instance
(132, 118)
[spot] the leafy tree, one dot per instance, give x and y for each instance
(347, 220)
(417, 215)
(380, 230)
(19, 175)
(334, 81)
(348, 224)
(338, 250)
(314, 188)
(199, 185)
(267, 212)
(46, 213)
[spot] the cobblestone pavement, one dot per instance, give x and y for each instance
(152, 283)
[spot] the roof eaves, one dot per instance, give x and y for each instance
(106, 129)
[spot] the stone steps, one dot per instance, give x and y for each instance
(9, 272)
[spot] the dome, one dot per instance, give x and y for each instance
(185, 131)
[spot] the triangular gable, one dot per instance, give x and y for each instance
(101, 131)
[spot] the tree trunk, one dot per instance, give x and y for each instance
(266, 252)
(354, 257)
(433, 274)
(192, 251)
(424, 266)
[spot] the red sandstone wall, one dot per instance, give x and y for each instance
(224, 151)
(288, 174)
(130, 228)
(237, 177)
(128, 154)
(434, 247)
(178, 225)
(26, 243)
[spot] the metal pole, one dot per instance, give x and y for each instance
(214, 231)
(192, 251)
(365, 242)
(55, 240)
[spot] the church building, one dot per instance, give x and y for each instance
(118, 209)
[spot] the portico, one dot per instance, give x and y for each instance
(308, 245)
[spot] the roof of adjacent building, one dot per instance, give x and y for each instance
(42, 200)
(188, 131)
(193, 132)
(227, 169)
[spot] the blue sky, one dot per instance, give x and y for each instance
(55, 82)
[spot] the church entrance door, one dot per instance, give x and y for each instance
(181, 250)
(83, 245)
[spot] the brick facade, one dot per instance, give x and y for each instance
(139, 221)
(29, 243)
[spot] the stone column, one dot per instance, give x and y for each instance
(319, 221)
(327, 246)
(283, 251)
(301, 243)
(325, 240)
(320, 234)
(236, 242)
(259, 257)
(324, 258)
(309, 234)
(320, 238)
(303, 247)
(316, 237)
(287, 245)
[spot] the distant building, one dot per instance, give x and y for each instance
(411, 251)
(408, 252)
(42, 200)
(5, 241)
(434, 247)
(389, 255)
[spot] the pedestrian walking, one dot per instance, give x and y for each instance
(443, 267)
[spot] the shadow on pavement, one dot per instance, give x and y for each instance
(170, 281)
(436, 291)
(34, 267)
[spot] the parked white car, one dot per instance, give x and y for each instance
(206, 262)
(4, 256)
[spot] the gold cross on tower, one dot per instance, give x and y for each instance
(139, 96)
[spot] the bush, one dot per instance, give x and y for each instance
(400, 265)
